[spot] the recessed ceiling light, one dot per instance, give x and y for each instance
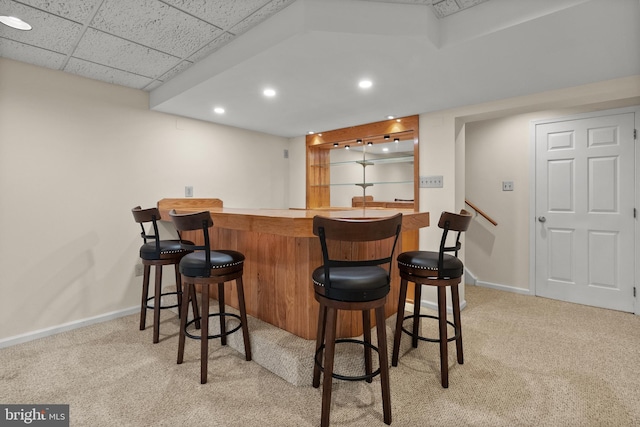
(346, 147)
(391, 117)
(218, 110)
(311, 132)
(365, 84)
(14, 22)
(269, 92)
(385, 149)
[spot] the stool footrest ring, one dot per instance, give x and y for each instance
(410, 333)
(162, 307)
(349, 377)
(229, 332)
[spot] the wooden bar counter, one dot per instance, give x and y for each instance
(281, 253)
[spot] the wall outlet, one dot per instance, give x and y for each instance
(139, 271)
(433, 181)
(507, 185)
(188, 191)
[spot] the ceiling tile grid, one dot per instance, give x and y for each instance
(156, 25)
(49, 31)
(107, 74)
(138, 44)
(219, 12)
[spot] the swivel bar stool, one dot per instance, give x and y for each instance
(157, 253)
(206, 267)
(356, 284)
(434, 269)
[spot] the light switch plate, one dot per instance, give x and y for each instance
(188, 191)
(433, 181)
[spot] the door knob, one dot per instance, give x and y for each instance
(542, 219)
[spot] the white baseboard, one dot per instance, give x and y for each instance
(30, 336)
(471, 279)
(503, 288)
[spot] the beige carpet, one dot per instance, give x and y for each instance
(528, 362)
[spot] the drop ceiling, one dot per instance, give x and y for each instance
(194, 55)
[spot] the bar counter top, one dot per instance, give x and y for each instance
(285, 222)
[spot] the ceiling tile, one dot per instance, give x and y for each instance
(260, 15)
(76, 10)
(156, 25)
(106, 49)
(49, 31)
(469, 3)
(30, 54)
(175, 70)
(222, 13)
(212, 47)
(446, 7)
(154, 84)
(106, 74)
(428, 2)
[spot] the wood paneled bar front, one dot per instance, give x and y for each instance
(281, 253)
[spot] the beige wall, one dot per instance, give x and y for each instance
(490, 142)
(75, 156)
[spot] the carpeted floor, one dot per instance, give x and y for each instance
(528, 362)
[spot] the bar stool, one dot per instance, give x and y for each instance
(157, 253)
(434, 269)
(206, 268)
(355, 285)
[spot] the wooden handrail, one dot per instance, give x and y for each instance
(481, 212)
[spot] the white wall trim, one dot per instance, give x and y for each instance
(469, 277)
(506, 288)
(408, 307)
(30, 336)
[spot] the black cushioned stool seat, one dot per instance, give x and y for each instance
(156, 252)
(206, 267)
(356, 285)
(434, 269)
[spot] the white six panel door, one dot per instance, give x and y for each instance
(585, 211)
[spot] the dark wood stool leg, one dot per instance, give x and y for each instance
(190, 293)
(366, 326)
(156, 304)
(145, 295)
(194, 308)
(384, 363)
(243, 318)
(455, 300)
(442, 321)
(223, 328)
(399, 318)
(178, 288)
(322, 316)
(204, 334)
(329, 352)
(416, 314)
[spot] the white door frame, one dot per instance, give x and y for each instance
(532, 192)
